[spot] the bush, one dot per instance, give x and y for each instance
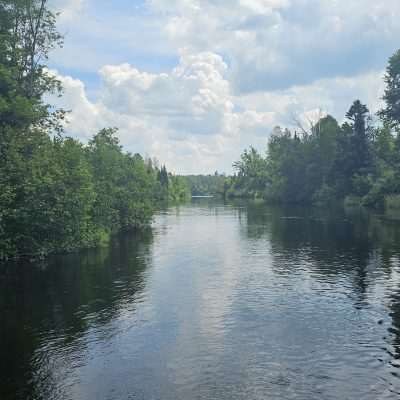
(392, 202)
(352, 201)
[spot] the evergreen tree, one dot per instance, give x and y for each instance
(163, 177)
(391, 113)
(357, 114)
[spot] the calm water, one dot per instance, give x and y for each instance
(216, 302)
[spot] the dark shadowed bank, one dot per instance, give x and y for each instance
(57, 194)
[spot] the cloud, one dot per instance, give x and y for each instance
(186, 117)
(194, 82)
(68, 9)
(83, 118)
(331, 95)
(273, 45)
(189, 117)
(193, 98)
(267, 44)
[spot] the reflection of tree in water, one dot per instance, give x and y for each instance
(393, 339)
(335, 244)
(328, 242)
(390, 261)
(56, 305)
(394, 330)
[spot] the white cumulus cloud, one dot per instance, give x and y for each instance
(194, 82)
(189, 118)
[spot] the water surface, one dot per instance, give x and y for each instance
(215, 302)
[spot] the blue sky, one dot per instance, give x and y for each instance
(194, 82)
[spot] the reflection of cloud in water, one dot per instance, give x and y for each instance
(222, 302)
(208, 272)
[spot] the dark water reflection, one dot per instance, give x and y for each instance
(218, 302)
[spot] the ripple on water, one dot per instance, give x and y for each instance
(219, 302)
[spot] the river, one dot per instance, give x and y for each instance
(216, 301)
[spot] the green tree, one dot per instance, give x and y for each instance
(358, 114)
(123, 184)
(329, 162)
(251, 173)
(50, 196)
(353, 161)
(27, 35)
(391, 113)
(205, 185)
(55, 193)
(163, 177)
(178, 189)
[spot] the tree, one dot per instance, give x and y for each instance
(357, 114)
(251, 169)
(329, 162)
(391, 113)
(27, 35)
(123, 184)
(55, 193)
(163, 177)
(205, 185)
(178, 188)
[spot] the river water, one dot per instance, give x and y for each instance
(216, 301)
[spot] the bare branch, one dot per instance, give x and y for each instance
(297, 122)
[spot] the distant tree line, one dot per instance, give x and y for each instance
(206, 185)
(356, 161)
(57, 194)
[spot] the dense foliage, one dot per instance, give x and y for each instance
(57, 194)
(206, 185)
(356, 161)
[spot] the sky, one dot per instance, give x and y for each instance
(195, 82)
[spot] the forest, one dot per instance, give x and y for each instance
(206, 185)
(57, 194)
(357, 162)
